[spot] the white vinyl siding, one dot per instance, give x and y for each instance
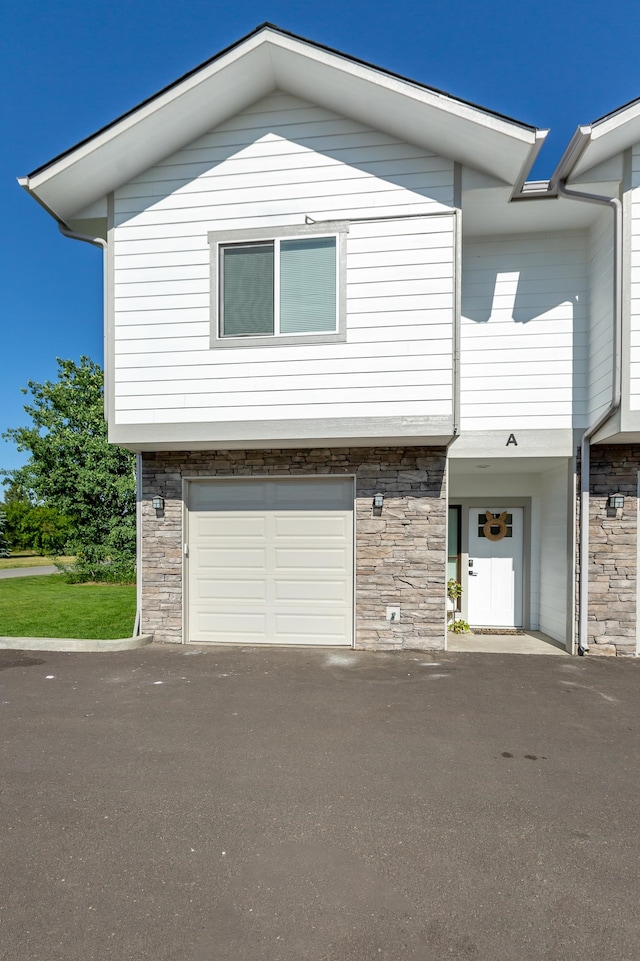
(524, 332)
(554, 553)
(634, 358)
(278, 162)
(601, 326)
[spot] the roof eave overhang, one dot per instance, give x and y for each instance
(607, 137)
(570, 158)
(267, 60)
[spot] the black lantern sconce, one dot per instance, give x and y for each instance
(615, 502)
(158, 503)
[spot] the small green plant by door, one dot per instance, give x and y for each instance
(454, 591)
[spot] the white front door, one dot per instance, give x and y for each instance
(494, 591)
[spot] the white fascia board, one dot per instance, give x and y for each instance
(610, 136)
(251, 70)
(302, 432)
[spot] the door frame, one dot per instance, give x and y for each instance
(473, 503)
(188, 479)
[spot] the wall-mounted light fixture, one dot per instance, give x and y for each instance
(615, 502)
(378, 501)
(158, 503)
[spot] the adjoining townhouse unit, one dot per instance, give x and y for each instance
(358, 354)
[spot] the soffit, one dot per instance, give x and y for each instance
(488, 212)
(263, 62)
(477, 466)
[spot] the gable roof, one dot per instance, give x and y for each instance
(271, 59)
(607, 136)
(597, 142)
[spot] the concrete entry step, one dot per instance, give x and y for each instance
(522, 642)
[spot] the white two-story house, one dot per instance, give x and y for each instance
(358, 353)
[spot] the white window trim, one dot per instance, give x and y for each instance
(327, 228)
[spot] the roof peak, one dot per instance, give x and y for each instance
(271, 58)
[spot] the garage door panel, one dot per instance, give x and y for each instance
(308, 559)
(275, 494)
(321, 494)
(223, 527)
(318, 629)
(218, 559)
(271, 561)
(246, 589)
(237, 626)
(321, 525)
(312, 591)
(227, 495)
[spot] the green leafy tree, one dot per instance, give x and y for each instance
(4, 543)
(19, 528)
(74, 471)
(34, 527)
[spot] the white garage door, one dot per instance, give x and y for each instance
(270, 561)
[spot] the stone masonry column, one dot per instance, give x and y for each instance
(613, 548)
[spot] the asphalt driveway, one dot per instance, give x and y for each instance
(28, 571)
(270, 805)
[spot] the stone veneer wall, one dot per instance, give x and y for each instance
(400, 555)
(613, 548)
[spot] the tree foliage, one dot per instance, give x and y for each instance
(4, 542)
(35, 527)
(74, 479)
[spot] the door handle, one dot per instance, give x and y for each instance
(473, 574)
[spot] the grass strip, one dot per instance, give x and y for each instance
(30, 560)
(49, 607)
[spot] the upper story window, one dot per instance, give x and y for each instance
(282, 288)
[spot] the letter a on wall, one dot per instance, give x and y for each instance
(512, 440)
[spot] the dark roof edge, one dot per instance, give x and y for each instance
(147, 100)
(613, 113)
(392, 73)
(286, 33)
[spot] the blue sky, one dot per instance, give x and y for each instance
(68, 67)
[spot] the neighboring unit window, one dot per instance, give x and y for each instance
(278, 287)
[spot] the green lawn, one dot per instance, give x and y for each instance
(49, 607)
(30, 560)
